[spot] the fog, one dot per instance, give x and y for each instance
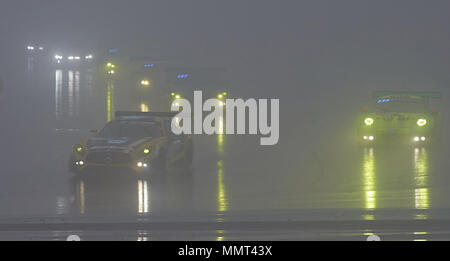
(322, 59)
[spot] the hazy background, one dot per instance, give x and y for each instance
(322, 59)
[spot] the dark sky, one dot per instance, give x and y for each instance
(266, 43)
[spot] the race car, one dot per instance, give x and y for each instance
(140, 141)
(399, 116)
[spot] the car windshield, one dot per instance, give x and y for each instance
(409, 106)
(129, 129)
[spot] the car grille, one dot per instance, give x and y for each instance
(109, 157)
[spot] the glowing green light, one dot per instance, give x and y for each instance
(79, 149)
(421, 122)
(220, 96)
(177, 96)
(368, 121)
(146, 151)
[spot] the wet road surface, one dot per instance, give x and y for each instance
(232, 176)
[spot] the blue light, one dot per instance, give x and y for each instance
(383, 100)
(149, 65)
(112, 50)
(182, 76)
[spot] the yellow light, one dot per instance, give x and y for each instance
(145, 82)
(369, 179)
(79, 149)
(421, 180)
(220, 96)
(109, 64)
(224, 93)
(146, 151)
(368, 121)
(421, 122)
(144, 107)
(143, 197)
(177, 96)
(173, 94)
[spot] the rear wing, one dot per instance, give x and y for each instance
(145, 114)
(425, 95)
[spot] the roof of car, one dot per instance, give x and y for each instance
(402, 98)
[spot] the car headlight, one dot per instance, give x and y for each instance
(421, 122)
(368, 121)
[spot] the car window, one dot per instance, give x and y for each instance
(153, 129)
(130, 130)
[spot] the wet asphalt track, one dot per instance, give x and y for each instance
(315, 167)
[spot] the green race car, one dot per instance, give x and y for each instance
(399, 116)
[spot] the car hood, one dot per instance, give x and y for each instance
(124, 143)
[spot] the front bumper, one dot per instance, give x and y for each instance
(137, 165)
(387, 136)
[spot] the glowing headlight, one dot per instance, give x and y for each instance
(141, 164)
(416, 138)
(421, 122)
(368, 121)
(79, 163)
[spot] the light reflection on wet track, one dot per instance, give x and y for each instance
(224, 178)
